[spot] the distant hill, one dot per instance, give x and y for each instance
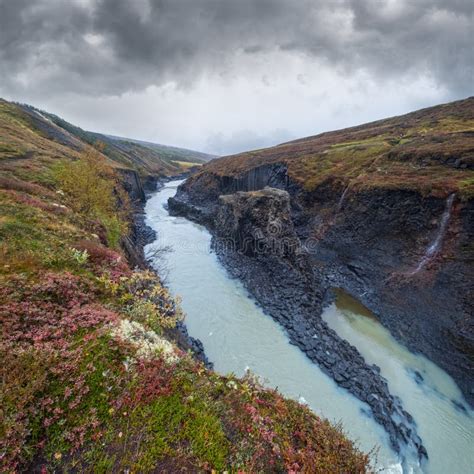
(170, 153)
(430, 150)
(27, 132)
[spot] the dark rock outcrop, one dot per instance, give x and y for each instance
(255, 238)
(370, 242)
(198, 197)
(132, 184)
(258, 223)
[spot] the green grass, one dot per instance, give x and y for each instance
(31, 238)
(171, 423)
(416, 151)
(186, 164)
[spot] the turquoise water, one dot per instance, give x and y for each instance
(238, 336)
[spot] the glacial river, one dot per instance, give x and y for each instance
(238, 336)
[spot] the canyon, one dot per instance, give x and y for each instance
(382, 211)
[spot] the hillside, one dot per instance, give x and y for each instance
(26, 132)
(382, 210)
(94, 377)
(431, 150)
(170, 153)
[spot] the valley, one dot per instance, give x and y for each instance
(363, 211)
(236, 237)
(99, 372)
(383, 232)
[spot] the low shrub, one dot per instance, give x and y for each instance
(145, 300)
(25, 186)
(103, 259)
(92, 189)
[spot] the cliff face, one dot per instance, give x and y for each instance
(132, 184)
(255, 238)
(375, 244)
(406, 257)
(258, 223)
(384, 211)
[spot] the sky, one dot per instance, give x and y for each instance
(224, 76)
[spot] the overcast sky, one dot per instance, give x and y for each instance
(224, 76)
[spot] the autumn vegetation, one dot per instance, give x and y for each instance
(90, 378)
(430, 151)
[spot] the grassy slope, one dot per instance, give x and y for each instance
(24, 149)
(171, 153)
(88, 381)
(431, 150)
(24, 128)
(153, 158)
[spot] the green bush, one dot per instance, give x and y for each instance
(92, 189)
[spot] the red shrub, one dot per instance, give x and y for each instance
(30, 188)
(64, 288)
(38, 203)
(154, 380)
(50, 311)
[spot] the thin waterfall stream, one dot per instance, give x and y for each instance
(342, 198)
(238, 336)
(435, 246)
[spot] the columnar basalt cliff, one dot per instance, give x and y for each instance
(383, 211)
(276, 269)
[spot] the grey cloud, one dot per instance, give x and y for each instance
(433, 36)
(44, 45)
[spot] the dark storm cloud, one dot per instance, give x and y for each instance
(107, 47)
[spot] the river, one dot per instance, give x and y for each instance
(238, 336)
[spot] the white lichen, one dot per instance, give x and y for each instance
(231, 384)
(148, 343)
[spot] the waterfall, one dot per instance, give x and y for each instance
(433, 249)
(341, 199)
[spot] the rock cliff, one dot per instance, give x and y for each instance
(255, 238)
(384, 212)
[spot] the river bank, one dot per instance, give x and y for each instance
(141, 235)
